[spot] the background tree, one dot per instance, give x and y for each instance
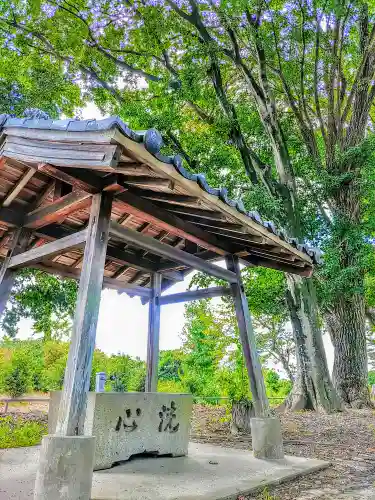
(46, 299)
(287, 88)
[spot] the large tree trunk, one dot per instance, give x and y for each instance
(313, 388)
(346, 325)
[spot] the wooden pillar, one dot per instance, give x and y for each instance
(19, 243)
(260, 400)
(153, 334)
(78, 369)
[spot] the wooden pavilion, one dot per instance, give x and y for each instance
(96, 201)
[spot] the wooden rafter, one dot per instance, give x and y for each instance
(167, 221)
(76, 200)
(167, 251)
(17, 188)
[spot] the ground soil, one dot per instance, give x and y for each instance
(347, 440)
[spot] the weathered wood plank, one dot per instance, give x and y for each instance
(247, 337)
(72, 408)
(69, 152)
(17, 188)
(52, 249)
(140, 180)
(73, 273)
(254, 260)
(19, 243)
(176, 199)
(43, 195)
(14, 217)
(193, 212)
(22, 141)
(101, 166)
(169, 252)
(76, 200)
(79, 180)
(251, 238)
(153, 335)
(229, 226)
(206, 293)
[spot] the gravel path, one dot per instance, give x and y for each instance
(346, 439)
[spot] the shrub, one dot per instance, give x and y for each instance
(17, 377)
(15, 432)
(171, 386)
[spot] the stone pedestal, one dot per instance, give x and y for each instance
(266, 438)
(65, 468)
(125, 424)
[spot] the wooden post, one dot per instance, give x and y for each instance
(78, 369)
(153, 334)
(19, 243)
(260, 400)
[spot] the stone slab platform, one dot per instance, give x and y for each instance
(231, 472)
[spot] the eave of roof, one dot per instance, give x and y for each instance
(152, 141)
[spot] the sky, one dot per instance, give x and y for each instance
(122, 324)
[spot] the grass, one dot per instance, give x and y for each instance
(17, 432)
(265, 495)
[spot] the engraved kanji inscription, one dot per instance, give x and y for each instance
(168, 419)
(128, 421)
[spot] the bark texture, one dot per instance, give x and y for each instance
(313, 388)
(346, 326)
(242, 412)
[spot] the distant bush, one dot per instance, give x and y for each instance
(171, 386)
(16, 432)
(17, 376)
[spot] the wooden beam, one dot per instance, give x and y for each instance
(167, 197)
(53, 231)
(169, 252)
(43, 195)
(247, 337)
(194, 212)
(140, 180)
(63, 245)
(76, 200)
(169, 222)
(254, 260)
(123, 287)
(229, 226)
(133, 168)
(73, 273)
(17, 188)
(19, 242)
(251, 238)
(153, 335)
(72, 410)
(14, 216)
(81, 180)
(206, 293)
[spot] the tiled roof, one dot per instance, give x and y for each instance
(153, 143)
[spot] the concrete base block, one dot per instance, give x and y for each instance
(266, 438)
(65, 468)
(127, 424)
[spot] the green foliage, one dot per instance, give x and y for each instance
(371, 377)
(17, 380)
(213, 363)
(170, 365)
(17, 373)
(16, 432)
(48, 300)
(171, 386)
